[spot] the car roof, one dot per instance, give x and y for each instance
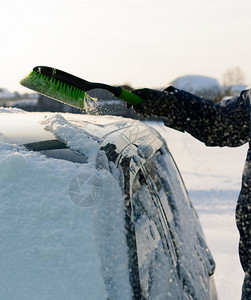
(19, 127)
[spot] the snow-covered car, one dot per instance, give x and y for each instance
(95, 208)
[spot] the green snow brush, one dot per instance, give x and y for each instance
(70, 89)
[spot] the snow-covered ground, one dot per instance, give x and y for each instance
(195, 83)
(213, 178)
(5, 94)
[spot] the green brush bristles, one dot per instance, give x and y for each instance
(55, 89)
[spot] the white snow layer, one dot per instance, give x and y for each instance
(75, 137)
(52, 248)
(195, 83)
(5, 94)
(11, 110)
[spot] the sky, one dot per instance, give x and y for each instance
(144, 43)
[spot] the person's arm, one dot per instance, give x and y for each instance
(223, 124)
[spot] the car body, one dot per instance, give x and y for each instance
(95, 208)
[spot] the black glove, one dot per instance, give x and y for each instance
(149, 96)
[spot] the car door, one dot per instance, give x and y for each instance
(173, 258)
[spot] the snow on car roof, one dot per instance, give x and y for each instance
(56, 220)
(83, 133)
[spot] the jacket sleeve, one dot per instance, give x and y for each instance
(222, 124)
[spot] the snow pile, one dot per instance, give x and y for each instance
(11, 110)
(52, 248)
(5, 94)
(75, 137)
(199, 85)
(237, 88)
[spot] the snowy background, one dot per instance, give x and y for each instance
(213, 178)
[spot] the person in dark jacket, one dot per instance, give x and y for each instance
(227, 123)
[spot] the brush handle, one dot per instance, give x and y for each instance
(129, 97)
(85, 85)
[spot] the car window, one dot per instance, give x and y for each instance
(45, 145)
(163, 186)
(147, 236)
(186, 246)
(155, 261)
(57, 149)
(165, 204)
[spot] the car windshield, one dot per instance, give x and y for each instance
(57, 149)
